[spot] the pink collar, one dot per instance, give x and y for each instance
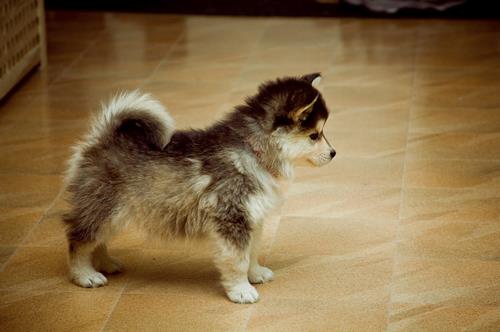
(259, 156)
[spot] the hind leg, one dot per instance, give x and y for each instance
(82, 270)
(105, 263)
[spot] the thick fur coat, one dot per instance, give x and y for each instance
(221, 182)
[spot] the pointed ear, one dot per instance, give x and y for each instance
(312, 79)
(301, 113)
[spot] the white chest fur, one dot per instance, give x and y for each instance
(261, 204)
(271, 192)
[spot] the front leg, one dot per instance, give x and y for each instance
(258, 274)
(233, 262)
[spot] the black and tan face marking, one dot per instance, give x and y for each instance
(310, 125)
(315, 117)
(317, 133)
(321, 151)
(294, 113)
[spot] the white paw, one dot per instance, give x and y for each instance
(91, 279)
(243, 293)
(110, 265)
(260, 274)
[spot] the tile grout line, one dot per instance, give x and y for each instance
(32, 229)
(403, 185)
(32, 100)
(247, 63)
(146, 80)
(365, 158)
(336, 187)
(58, 77)
(361, 219)
(51, 205)
(374, 186)
(62, 189)
(113, 307)
(454, 159)
(78, 58)
(162, 61)
(244, 326)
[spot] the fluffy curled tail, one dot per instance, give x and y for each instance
(131, 121)
(134, 118)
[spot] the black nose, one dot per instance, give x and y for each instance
(332, 153)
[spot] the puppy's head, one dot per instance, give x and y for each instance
(295, 114)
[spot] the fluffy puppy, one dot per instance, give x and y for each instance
(220, 182)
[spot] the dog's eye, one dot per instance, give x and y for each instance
(314, 136)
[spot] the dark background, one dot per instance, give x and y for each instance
(471, 9)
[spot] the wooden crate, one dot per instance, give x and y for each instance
(22, 40)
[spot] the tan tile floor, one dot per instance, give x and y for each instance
(400, 233)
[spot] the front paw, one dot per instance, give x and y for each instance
(243, 293)
(260, 274)
(89, 279)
